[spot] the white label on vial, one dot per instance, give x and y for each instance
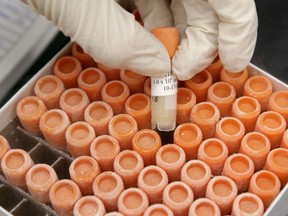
(164, 86)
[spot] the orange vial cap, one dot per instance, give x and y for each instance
(4, 148)
(204, 206)
(215, 68)
(147, 87)
(278, 102)
(158, 209)
(134, 81)
(110, 73)
(85, 59)
(284, 141)
(88, 206)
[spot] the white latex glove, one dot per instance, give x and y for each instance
(108, 33)
(207, 27)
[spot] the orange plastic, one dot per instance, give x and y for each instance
(85, 59)
(231, 131)
(237, 80)
(115, 93)
(147, 142)
(128, 164)
(284, 140)
(139, 106)
(104, 149)
(15, 164)
(158, 209)
(186, 99)
(256, 146)
(247, 204)
(123, 127)
(74, 101)
(153, 180)
(214, 152)
(273, 125)
(205, 115)
(53, 125)
(247, 110)
(222, 94)
(39, 179)
(108, 186)
(260, 88)
(277, 162)
(147, 87)
(68, 68)
(178, 196)
(278, 102)
(134, 81)
(189, 137)
(88, 206)
(4, 148)
(215, 68)
(29, 111)
(133, 201)
(49, 89)
(200, 84)
(114, 213)
(83, 170)
(266, 185)
(222, 190)
(171, 158)
(92, 80)
(110, 73)
(79, 136)
(239, 167)
(63, 196)
(196, 174)
(204, 207)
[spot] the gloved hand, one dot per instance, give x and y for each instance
(207, 27)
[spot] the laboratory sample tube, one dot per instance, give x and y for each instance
(128, 164)
(158, 209)
(247, 204)
(83, 170)
(15, 164)
(239, 167)
(247, 110)
(178, 196)
(74, 101)
(237, 80)
(132, 202)
(110, 73)
(139, 107)
(134, 81)
(164, 89)
(200, 84)
(276, 162)
(153, 180)
(186, 99)
(215, 68)
(189, 137)
(29, 111)
(68, 68)
(256, 146)
(284, 140)
(147, 142)
(222, 94)
(196, 174)
(205, 115)
(85, 59)
(53, 125)
(214, 152)
(147, 87)
(260, 88)
(108, 186)
(123, 127)
(171, 158)
(79, 136)
(204, 206)
(115, 93)
(4, 148)
(39, 179)
(114, 213)
(231, 131)
(88, 206)
(49, 89)
(104, 149)
(98, 114)
(266, 185)
(278, 102)
(222, 190)
(92, 80)
(63, 196)
(273, 125)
